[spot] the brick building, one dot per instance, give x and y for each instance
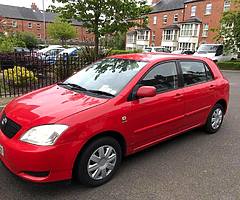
(21, 19)
(180, 24)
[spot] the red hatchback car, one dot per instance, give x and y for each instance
(84, 126)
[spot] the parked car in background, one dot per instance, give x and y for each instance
(71, 52)
(185, 52)
(49, 54)
(214, 52)
(117, 106)
(156, 49)
(21, 50)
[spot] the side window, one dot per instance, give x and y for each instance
(208, 73)
(164, 77)
(194, 72)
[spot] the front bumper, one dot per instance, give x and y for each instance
(39, 163)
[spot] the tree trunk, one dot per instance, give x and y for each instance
(96, 41)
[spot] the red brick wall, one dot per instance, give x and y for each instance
(22, 26)
(158, 28)
(213, 20)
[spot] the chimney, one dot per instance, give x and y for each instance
(34, 7)
(154, 2)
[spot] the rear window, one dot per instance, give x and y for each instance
(195, 72)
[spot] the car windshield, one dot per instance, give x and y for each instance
(110, 75)
(208, 48)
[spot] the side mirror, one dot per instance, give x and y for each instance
(146, 91)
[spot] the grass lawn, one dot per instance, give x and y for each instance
(230, 65)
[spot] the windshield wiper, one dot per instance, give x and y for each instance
(73, 86)
(101, 92)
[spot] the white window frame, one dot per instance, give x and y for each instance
(39, 36)
(205, 30)
(175, 18)
(39, 26)
(154, 20)
(30, 25)
(143, 35)
(227, 5)
(130, 38)
(14, 23)
(165, 19)
(193, 11)
(208, 9)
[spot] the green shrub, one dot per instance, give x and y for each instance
(19, 76)
(233, 65)
(116, 52)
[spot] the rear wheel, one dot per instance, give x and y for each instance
(215, 119)
(99, 161)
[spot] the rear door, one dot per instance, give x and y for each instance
(199, 91)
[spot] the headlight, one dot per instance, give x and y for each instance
(45, 135)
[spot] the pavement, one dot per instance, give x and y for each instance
(193, 165)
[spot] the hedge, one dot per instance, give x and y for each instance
(115, 52)
(231, 65)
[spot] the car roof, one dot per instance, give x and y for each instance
(154, 57)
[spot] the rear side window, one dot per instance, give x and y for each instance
(195, 72)
(164, 77)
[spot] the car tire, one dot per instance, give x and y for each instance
(215, 119)
(96, 164)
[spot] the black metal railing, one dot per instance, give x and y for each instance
(24, 72)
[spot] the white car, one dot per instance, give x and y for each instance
(214, 52)
(156, 49)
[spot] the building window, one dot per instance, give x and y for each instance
(205, 30)
(39, 36)
(130, 39)
(227, 5)
(208, 9)
(164, 19)
(170, 35)
(38, 26)
(186, 46)
(193, 11)
(153, 37)
(155, 20)
(175, 19)
(29, 25)
(14, 24)
(189, 30)
(143, 35)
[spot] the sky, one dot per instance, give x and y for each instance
(27, 3)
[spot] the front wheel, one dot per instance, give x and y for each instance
(215, 119)
(99, 161)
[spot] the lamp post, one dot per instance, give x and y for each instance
(44, 23)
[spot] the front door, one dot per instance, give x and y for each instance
(158, 117)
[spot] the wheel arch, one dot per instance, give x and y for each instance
(223, 103)
(114, 134)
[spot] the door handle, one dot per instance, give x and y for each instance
(212, 87)
(178, 96)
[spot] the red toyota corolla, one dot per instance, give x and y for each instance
(84, 126)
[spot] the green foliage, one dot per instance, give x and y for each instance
(6, 45)
(29, 39)
(229, 32)
(89, 55)
(103, 17)
(19, 76)
(231, 65)
(115, 52)
(61, 30)
(116, 41)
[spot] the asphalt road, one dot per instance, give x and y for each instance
(191, 166)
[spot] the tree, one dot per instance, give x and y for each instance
(229, 31)
(116, 41)
(61, 30)
(103, 17)
(29, 39)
